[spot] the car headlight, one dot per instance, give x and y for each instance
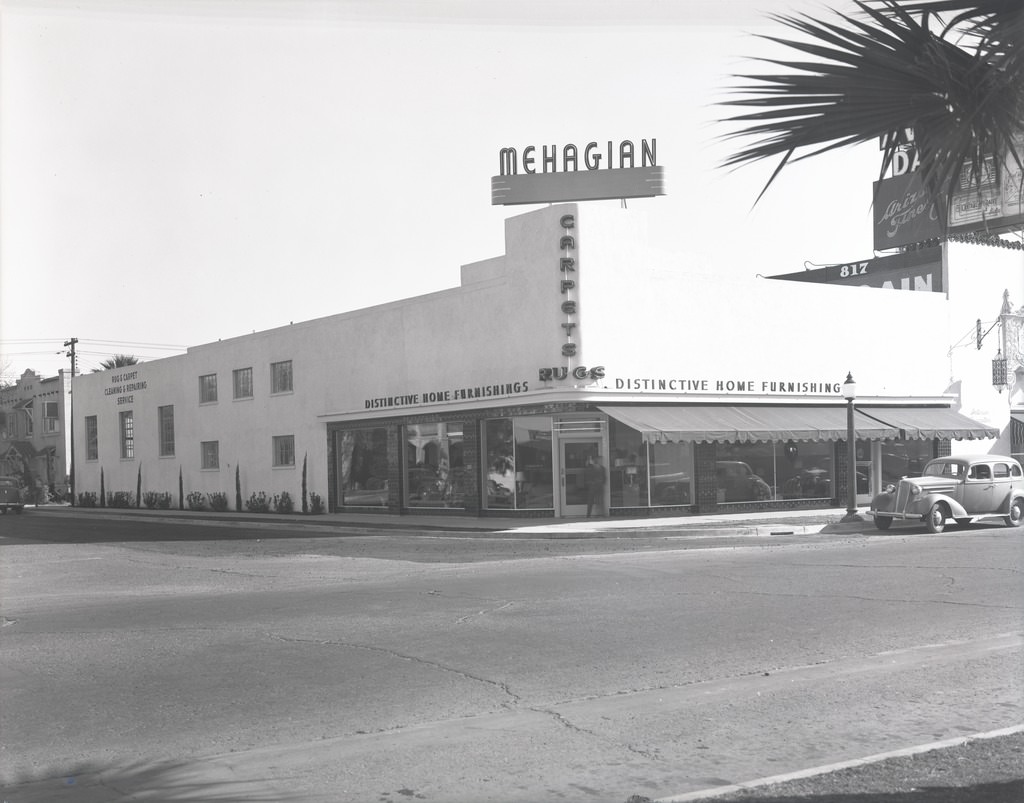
(915, 490)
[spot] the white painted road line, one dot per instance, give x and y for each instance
(825, 769)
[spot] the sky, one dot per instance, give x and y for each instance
(174, 172)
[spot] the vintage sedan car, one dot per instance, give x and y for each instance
(961, 488)
(10, 495)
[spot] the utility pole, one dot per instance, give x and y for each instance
(74, 366)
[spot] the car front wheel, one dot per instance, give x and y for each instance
(936, 518)
(883, 522)
(1016, 517)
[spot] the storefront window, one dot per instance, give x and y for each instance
(500, 465)
(642, 475)
(627, 472)
(803, 470)
(905, 459)
(534, 485)
(434, 468)
(518, 463)
(364, 469)
(756, 472)
(671, 471)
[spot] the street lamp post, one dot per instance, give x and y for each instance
(850, 393)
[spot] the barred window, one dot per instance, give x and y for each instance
(210, 454)
(92, 439)
(127, 435)
(165, 423)
(284, 450)
(242, 383)
(207, 388)
(281, 377)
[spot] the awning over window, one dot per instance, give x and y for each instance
(708, 424)
(916, 423)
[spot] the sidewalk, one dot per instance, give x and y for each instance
(786, 522)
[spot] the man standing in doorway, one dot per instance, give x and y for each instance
(593, 479)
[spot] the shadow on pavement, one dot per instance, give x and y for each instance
(155, 780)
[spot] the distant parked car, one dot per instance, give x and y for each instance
(962, 488)
(10, 495)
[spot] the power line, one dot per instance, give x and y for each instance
(117, 343)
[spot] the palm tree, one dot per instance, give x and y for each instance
(117, 361)
(956, 86)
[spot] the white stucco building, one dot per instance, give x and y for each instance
(699, 393)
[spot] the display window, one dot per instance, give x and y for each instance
(627, 472)
(363, 467)
(518, 463)
(755, 472)
(905, 459)
(434, 466)
(642, 475)
(533, 478)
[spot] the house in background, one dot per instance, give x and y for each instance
(35, 443)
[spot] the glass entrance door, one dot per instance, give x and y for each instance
(574, 454)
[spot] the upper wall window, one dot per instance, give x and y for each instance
(92, 439)
(127, 434)
(51, 417)
(165, 424)
(207, 388)
(281, 377)
(242, 382)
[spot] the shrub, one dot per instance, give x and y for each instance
(195, 500)
(120, 499)
(316, 503)
(305, 496)
(87, 499)
(218, 502)
(152, 499)
(258, 503)
(283, 503)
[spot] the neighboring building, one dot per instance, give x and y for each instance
(35, 443)
(701, 394)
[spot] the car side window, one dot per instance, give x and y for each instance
(1015, 471)
(1001, 471)
(982, 471)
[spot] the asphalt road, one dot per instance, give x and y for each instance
(211, 663)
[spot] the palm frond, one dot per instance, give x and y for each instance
(885, 71)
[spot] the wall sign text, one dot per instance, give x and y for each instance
(124, 386)
(707, 385)
(437, 395)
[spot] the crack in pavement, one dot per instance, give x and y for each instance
(515, 698)
(514, 701)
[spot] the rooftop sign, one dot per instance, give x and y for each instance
(905, 213)
(595, 172)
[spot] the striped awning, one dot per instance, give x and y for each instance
(925, 423)
(752, 423)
